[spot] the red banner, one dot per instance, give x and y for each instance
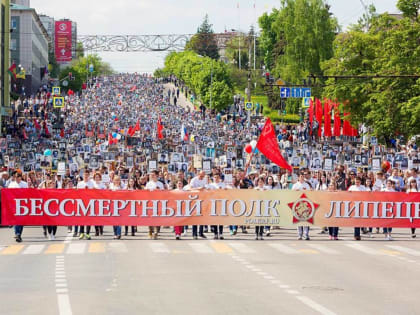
(63, 43)
(226, 207)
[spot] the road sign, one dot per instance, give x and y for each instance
(249, 106)
(58, 102)
(295, 92)
(56, 90)
(280, 82)
(284, 92)
(306, 101)
(65, 83)
(91, 68)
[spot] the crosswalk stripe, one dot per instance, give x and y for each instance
(201, 248)
(405, 250)
(12, 250)
(364, 249)
(117, 247)
(76, 248)
(324, 249)
(96, 247)
(159, 248)
(55, 249)
(220, 247)
(33, 249)
(284, 249)
(242, 248)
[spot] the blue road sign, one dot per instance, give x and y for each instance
(284, 92)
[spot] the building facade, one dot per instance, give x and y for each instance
(48, 22)
(29, 48)
(6, 110)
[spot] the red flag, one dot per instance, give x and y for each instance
(267, 144)
(37, 125)
(346, 126)
(159, 128)
(62, 133)
(311, 114)
(131, 131)
(25, 136)
(84, 86)
(110, 139)
(318, 115)
(137, 127)
(327, 118)
(337, 121)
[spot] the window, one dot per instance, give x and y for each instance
(14, 24)
(13, 44)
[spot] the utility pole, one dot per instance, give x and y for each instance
(248, 94)
(211, 85)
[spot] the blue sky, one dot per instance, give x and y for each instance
(176, 17)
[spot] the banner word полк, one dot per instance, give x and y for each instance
(224, 207)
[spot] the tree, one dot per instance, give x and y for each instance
(409, 8)
(389, 106)
(80, 50)
(268, 38)
(204, 42)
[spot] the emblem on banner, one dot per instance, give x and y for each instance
(303, 209)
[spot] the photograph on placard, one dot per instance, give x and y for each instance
(152, 165)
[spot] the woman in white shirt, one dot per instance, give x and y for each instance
(388, 188)
(259, 229)
(412, 187)
(98, 184)
(132, 185)
(116, 185)
(357, 187)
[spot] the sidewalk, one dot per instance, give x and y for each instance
(182, 101)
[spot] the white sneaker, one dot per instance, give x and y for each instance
(370, 235)
(300, 237)
(184, 234)
(52, 237)
(389, 237)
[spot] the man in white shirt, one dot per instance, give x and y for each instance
(301, 184)
(154, 184)
(86, 183)
(379, 182)
(357, 187)
(199, 182)
(17, 182)
(217, 184)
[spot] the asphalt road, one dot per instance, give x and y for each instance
(238, 275)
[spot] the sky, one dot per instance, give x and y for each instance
(150, 17)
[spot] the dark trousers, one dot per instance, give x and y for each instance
(82, 229)
(52, 229)
(413, 230)
(259, 230)
(99, 229)
(18, 229)
(357, 232)
(217, 229)
(133, 229)
(387, 230)
(333, 231)
(194, 230)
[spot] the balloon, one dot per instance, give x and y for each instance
(47, 152)
(253, 144)
(118, 136)
(248, 148)
(192, 138)
(386, 166)
(119, 102)
(114, 135)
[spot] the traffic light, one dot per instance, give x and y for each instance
(70, 76)
(267, 77)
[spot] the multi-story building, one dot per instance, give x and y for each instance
(29, 48)
(6, 110)
(49, 25)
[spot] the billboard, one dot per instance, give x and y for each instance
(63, 44)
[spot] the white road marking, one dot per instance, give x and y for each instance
(242, 248)
(292, 291)
(284, 249)
(159, 248)
(62, 285)
(202, 248)
(61, 280)
(62, 290)
(76, 248)
(269, 277)
(68, 238)
(324, 249)
(117, 247)
(284, 286)
(60, 276)
(364, 249)
(312, 304)
(33, 249)
(64, 307)
(405, 250)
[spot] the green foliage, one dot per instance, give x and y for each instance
(390, 47)
(198, 73)
(268, 38)
(80, 51)
(204, 42)
(275, 117)
(410, 8)
(53, 67)
(79, 70)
